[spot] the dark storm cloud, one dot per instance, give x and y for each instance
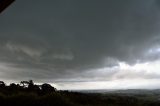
(62, 38)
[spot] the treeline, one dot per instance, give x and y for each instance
(26, 86)
(27, 93)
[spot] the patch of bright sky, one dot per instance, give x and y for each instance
(138, 76)
(115, 84)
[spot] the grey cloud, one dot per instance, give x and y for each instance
(56, 39)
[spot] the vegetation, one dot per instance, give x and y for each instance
(26, 93)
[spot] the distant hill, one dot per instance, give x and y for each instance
(125, 91)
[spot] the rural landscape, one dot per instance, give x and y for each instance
(80, 52)
(26, 93)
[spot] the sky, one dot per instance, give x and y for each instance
(82, 44)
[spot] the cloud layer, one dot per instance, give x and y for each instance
(64, 40)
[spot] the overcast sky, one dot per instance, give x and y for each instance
(82, 44)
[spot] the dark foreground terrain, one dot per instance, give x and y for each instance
(29, 94)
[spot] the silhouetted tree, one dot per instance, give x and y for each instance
(2, 84)
(30, 84)
(13, 86)
(33, 87)
(24, 84)
(47, 88)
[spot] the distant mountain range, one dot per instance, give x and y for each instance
(126, 91)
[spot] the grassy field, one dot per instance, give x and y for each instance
(65, 98)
